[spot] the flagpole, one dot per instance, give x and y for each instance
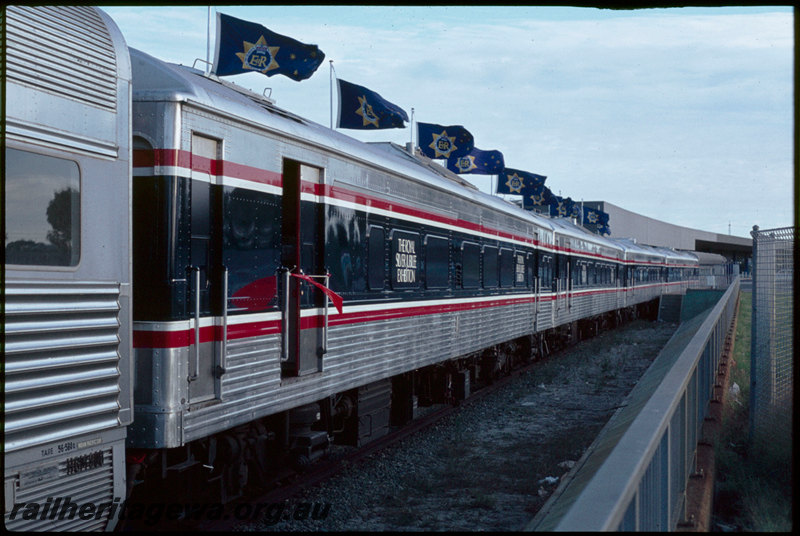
(208, 39)
(330, 78)
(411, 134)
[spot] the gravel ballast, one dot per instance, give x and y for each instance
(493, 464)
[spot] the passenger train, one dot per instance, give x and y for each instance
(202, 288)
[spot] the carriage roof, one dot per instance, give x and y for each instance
(156, 80)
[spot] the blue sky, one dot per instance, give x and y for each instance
(680, 114)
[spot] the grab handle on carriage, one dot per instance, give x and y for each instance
(287, 273)
(196, 270)
(328, 297)
(223, 356)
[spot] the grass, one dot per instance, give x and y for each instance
(754, 482)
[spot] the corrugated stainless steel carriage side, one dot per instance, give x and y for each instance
(371, 340)
(67, 323)
(594, 287)
(679, 269)
(643, 271)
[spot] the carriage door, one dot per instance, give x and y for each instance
(204, 275)
(304, 322)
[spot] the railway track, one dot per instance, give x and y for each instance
(289, 484)
(562, 389)
(293, 483)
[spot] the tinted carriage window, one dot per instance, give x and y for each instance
(545, 271)
(377, 262)
(405, 265)
(470, 260)
(251, 249)
(489, 267)
(42, 209)
(437, 262)
(561, 270)
(507, 267)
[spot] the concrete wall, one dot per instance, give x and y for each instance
(627, 224)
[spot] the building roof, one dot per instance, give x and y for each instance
(627, 224)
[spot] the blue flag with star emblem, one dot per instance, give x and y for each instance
(598, 218)
(477, 161)
(515, 181)
(558, 207)
(575, 210)
(603, 223)
(590, 216)
(363, 109)
(536, 196)
(244, 47)
(593, 216)
(437, 141)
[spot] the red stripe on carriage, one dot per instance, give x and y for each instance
(184, 338)
(145, 158)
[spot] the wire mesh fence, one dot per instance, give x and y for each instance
(771, 367)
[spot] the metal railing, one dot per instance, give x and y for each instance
(641, 486)
(718, 276)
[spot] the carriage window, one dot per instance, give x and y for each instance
(561, 269)
(42, 210)
(204, 152)
(377, 263)
(489, 267)
(507, 267)
(250, 249)
(437, 262)
(545, 271)
(470, 259)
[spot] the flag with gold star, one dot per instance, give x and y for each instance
(596, 220)
(536, 196)
(591, 216)
(559, 206)
(437, 141)
(515, 181)
(576, 210)
(244, 47)
(363, 109)
(477, 161)
(603, 226)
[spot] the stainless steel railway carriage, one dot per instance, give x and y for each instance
(240, 212)
(232, 198)
(237, 359)
(67, 323)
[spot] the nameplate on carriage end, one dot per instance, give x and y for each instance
(37, 476)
